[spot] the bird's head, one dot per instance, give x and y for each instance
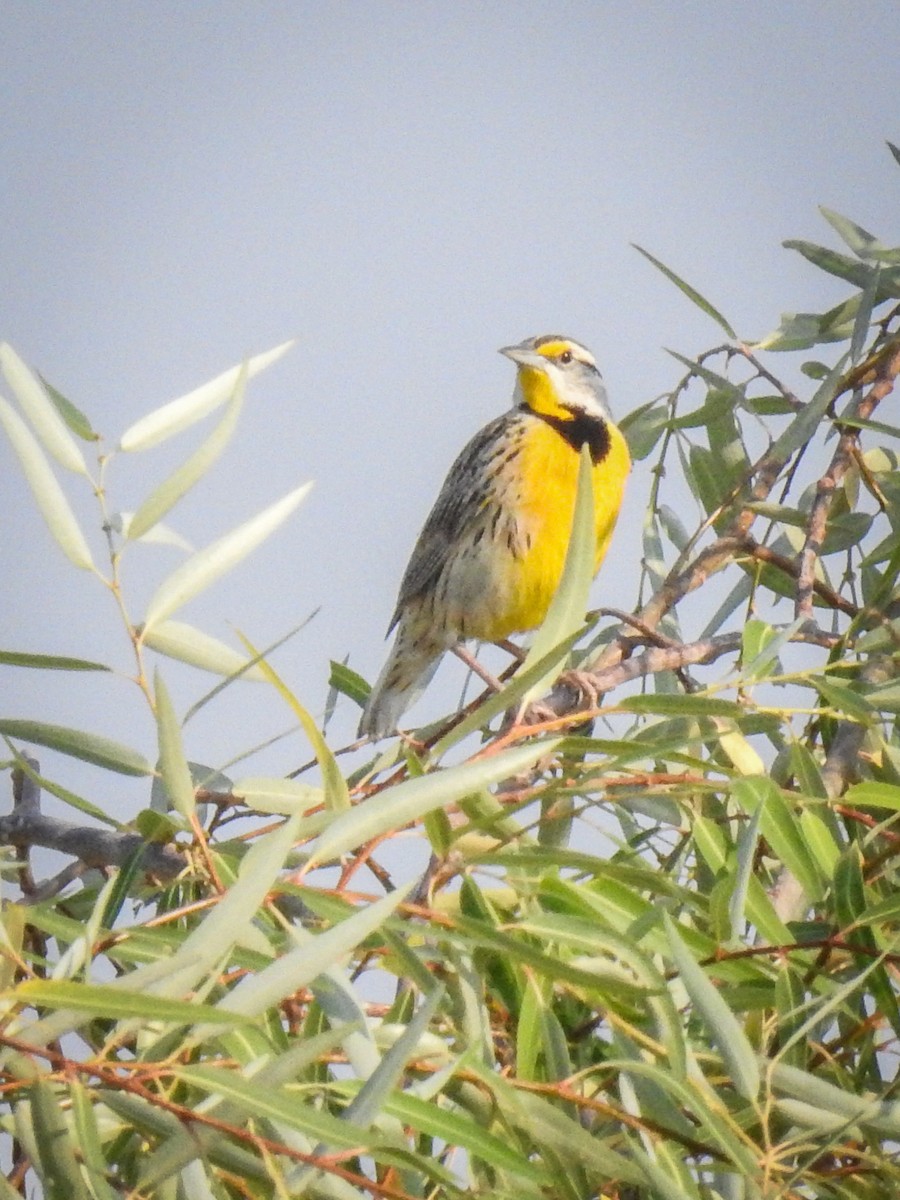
(558, 378)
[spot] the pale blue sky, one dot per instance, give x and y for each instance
(405, 188)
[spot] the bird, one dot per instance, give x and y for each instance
(491, 552)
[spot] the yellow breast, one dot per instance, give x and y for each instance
(542, 490)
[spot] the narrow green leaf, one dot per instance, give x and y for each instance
(643, 427)
(227, 923)
(89, 747)
(885, 699)
(817, 831)
(176, 774)
(683, 706)
(673, 528)
(566, 613)
(713, 848)
(746, 853)
(67, 797)
(790, 1004)
(73, 417)
(179, 414)
(805, 424)
(779, 827)
(171, 490)
(691, 293)
(456, 1129)
(412, 799)
(874, 794)
(268, 1104)
(186, 643)
(831, 261)
(159, 534)
(89, 1142)
(707, 483)
(546, 1124)
(49, 662)
(386, 1079)
(51, 501)
(207, 565)
(874, 426)
(348, 682)
(818, 1092)
(867, 302)
(180, 1149)
(120, 1004)
(724, 1027)
(863, 244)
(41, 411)
(846, 703)
(57, 1163)
(796, 331)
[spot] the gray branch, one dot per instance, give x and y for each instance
(26, 826)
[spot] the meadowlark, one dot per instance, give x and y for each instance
(490, 556)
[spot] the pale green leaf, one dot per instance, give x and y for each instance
(746, 853)
(453, 1128)
(297, 968)
(268, 1104)
(159, 534)
(412, 799)
(173, 766)
(186, 643)
(863, 244)
(336, 791)
(41, 411)
(171, 490)
(271, 795)
(643, 427)
(185, 1145)
(179, 414)
(89, 747)
(225, 925)
(57, 1164)
(816, 1091)
(211, 563)
(51, 500)
(808, 420)
(761, 645)
(779, 827)
(90, 1145)
(867, 301)
(723, 1025)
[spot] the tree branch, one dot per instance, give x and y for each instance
(26, 826)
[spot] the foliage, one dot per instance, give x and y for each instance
(652, 957)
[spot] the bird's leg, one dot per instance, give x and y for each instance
(476, 668)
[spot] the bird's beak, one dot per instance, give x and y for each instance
(524, 356)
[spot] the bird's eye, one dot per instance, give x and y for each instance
(566, 357)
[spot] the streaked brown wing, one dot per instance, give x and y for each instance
(459, 508)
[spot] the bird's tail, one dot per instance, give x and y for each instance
(412, 662)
